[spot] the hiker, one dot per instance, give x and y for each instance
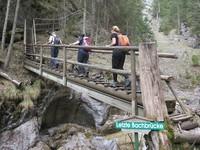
(54, 40)
(118, 56)
(83, 54)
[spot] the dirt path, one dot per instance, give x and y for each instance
(181, 68)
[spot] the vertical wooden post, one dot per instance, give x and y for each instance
(10, 47)
(25, 36)
(64, 65)
(152, 95)
(134, 96)
(33, 41)
(41, 59)
(34, 32)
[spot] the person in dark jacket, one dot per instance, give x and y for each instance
(83, 54)
(118, 56)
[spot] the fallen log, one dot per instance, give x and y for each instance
(6, 76)
(188, 125)
(191, 136)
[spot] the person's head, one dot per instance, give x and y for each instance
(115, 29)
(54, 33)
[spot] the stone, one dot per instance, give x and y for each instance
(40, 146)
(21, 138)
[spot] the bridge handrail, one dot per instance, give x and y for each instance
(106, 50)
(100, 67)
(134, 48)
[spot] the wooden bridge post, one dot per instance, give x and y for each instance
(134, 97)
(41, 59)
(25, 36)
(34, 32)
(152, 95)
(64, 65)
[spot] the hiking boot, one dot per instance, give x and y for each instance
(127, 83)
(81, 75)
(87, 75)
(57, 65)
(114, 84)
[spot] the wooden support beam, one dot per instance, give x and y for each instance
(41, 59)
(183, 106)
(152, 94)
(64, 65)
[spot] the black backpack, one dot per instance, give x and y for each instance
(56, 40)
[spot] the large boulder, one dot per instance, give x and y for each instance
(97, 109)
(21, 138)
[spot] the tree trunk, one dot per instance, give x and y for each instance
(5, 26)
(152, 96)
(93, 18)
(178, 19)
(7, 60)
(192, 136)
(84, 15)
(6, 76)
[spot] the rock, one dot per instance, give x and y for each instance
(72, 131)
(77, 142)
(21, 138)
(40, 146)
(194, 103)
(80, 142)
(101, 144)
(98, 109)
(62, 110)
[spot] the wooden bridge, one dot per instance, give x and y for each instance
(37, 60)
(96, 85)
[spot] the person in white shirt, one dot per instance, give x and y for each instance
(54, 39)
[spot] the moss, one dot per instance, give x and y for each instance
(195, 79)
(10, 92)
(27, 103)
(188, 75)
(170, 131)
(24, 97)
(33, 90)
(195, 60)
(88, 135)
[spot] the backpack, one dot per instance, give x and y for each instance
(56, 40)
(123, 40)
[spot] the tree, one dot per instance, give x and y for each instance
(84, 16)
(5, 26)
(7, 59)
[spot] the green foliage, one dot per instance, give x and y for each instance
(171, 11)
(127, 14)
(195, 60)
(195, 79)
(170, 131)
(24, 96)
